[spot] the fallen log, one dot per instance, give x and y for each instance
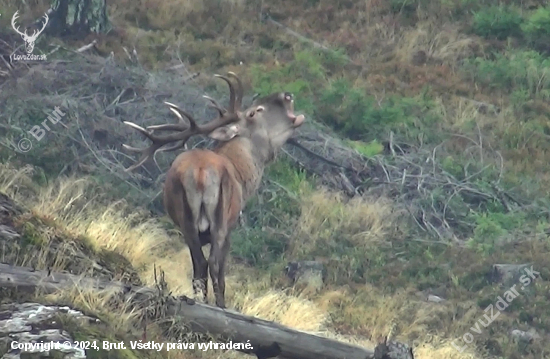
(267, 339)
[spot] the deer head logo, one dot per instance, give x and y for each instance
(29, 40)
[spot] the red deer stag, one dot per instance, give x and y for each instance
(205, 190)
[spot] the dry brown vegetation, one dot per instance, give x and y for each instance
(468, 107)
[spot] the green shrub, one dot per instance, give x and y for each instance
(537, 28)
(256, 247)
(352, 112)
(512, 71)
(369, 149)
(490, 229)
(498, 22)
(453, 167)
(283, 172)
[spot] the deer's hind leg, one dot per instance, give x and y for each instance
(221, 273)
(176, 203)
(200, 266)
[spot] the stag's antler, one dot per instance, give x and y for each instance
(185, 132)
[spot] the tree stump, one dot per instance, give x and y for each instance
(78, 18)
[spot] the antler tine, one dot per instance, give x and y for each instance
(180, 126)
(132, 149)
(174, 147)
(168, 127)
(231, 93)
(214, 104)
(240, 91)
(148, 152)
(161, 149)
(179, 112)
(207, 127)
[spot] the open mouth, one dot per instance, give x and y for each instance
(297, 120)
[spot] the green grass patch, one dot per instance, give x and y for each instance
(369, 149)
(499, 22)
(536, 29)
(491, 228)
(524, 73)
(342, 105)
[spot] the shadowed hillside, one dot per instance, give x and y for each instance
(421, 174)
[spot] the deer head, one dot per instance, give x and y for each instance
(29, 40)
(270, 121)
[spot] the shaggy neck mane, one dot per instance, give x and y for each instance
(248, 161)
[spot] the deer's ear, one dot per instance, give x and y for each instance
(225, 133)
(250, 115)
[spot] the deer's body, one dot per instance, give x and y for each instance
(205, 190)
(204, 193)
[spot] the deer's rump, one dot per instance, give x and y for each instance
(201, 193)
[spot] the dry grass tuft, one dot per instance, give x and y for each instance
(293, 312)
(447, 45)
(71, 203)
(16, 182)
(325, 217)
(444, 350)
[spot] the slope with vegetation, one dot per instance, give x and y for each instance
(445, 103)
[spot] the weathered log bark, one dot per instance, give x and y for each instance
(78, 17)
(268, 339)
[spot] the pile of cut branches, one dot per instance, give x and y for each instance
(437, 201)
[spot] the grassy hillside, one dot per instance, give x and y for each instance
(461, 86)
